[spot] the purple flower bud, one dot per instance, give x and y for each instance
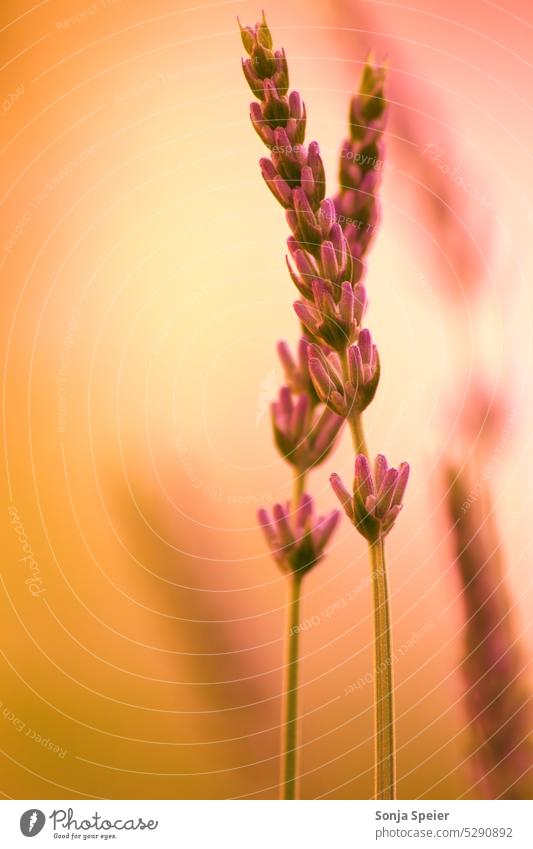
(332, 323)
(303, 434)
(297, 372)
(360, 303)
(364, 371)
(283, 528)
(342, 494)
(254, 81)
(324, 528)
(296, 107)
(328, 259)
(262, 128)
(307, 315)
(279, 188)
(377, 495)
(305, 266)
(297, 121)
(297, 540)
(324, 385)
(275, 108)
(303, 222)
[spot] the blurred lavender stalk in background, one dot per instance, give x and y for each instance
(494, 664)
(494, 668)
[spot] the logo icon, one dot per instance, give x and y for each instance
(32, 822)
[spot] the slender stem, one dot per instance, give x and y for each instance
(355, 422)
(290, 710)
(384, 706)
(355, 419)
(384, 777)
(289, 779)
(298, 487)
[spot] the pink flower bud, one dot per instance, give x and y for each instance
(377, 495)
(297, 539)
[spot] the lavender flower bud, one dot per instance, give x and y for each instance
(377, 496)
(295, 126)
(297, 371)
(260, 125)
(303, 223)
(276, 108)
(335, 324)
(297, 539)
(263, 63)
(303, 436)
(364, 371)
(260, 34)
(306, 268)
(345, 394)
(277, 185)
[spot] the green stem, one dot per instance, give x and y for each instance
(290, 709)
(384, 777)
(289, 780)
(355, 419)
(298, 486)
(384, 707)
(355, 422)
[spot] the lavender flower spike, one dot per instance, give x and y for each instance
(337, 325)
(303, 434)
(361, 163)
(297, 538)
(377, 496)
(346, 396)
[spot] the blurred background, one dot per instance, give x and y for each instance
(144, 288)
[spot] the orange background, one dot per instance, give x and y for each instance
(143, 291)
